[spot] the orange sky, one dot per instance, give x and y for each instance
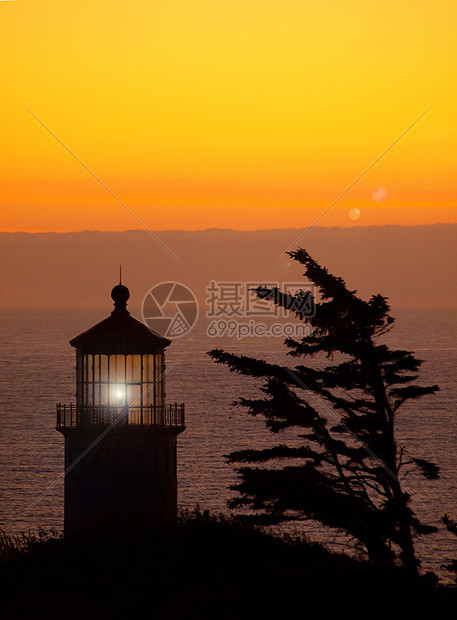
(230, 114)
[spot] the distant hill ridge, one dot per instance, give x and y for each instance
(413, 265)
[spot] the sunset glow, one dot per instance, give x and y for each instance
(242, 115)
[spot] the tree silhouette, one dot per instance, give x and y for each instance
(451, 525)
(346, 469)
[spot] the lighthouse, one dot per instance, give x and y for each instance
(120, 435)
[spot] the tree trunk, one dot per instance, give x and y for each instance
(408, 554)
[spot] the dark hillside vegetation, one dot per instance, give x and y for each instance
(204, 566)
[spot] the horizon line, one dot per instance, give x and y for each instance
(220, 229)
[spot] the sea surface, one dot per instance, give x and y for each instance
(37, 371)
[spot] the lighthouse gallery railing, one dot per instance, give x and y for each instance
(73, 416)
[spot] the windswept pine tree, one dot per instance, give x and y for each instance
(451, 525)
(346, 471)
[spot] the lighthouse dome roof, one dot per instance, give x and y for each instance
(120, 333)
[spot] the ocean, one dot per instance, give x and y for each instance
(37, 371)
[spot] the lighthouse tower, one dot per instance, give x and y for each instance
(120, 436)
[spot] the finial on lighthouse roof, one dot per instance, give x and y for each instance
(120, 293)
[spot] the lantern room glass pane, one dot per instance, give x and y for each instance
(148, 394)
(133, 395)
(89, 393)
(159, 367)
(88, 366)
(103, 368)
(133, 363)
(96, 393)
(104, 394)
(148, 368)
(117, 368)
(96, 367)
(159, 393)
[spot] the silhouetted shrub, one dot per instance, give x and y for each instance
(203, 566)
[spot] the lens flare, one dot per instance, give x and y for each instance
(379, 194)
(117, 394)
